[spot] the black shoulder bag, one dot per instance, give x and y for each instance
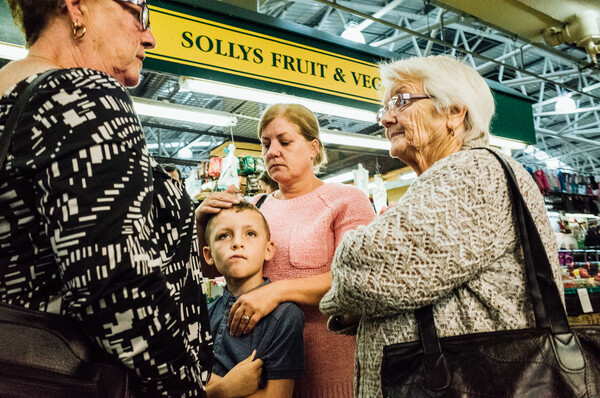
(45, 355)
(550, 360)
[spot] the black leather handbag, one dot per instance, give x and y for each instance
(45, 355)
(550, 360)
(48, 356)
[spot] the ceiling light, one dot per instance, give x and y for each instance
(12, 51)
(565, 104)
(553, 163)
(269, 97)
(356, 140)
(182, 113)
(506, 143)
(353, 33)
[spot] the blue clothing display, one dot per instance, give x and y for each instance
(277, 339)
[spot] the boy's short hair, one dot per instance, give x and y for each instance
(242, 206)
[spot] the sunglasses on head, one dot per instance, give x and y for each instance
(144, 15)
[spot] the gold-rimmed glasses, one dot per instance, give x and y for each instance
(144, 15)
(398, 103)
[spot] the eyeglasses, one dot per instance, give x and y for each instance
(144, 15)
(398, 103)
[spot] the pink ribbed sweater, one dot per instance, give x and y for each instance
(306, 230)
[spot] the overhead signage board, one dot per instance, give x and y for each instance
(216, 41)
(199, 42)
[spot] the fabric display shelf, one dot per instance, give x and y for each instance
(581, 281)
(568, 192)
(572, 203)
(583, 300)
(559, 181)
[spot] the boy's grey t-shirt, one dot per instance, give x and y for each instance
(277, 339)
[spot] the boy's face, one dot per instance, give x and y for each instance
(238, 244)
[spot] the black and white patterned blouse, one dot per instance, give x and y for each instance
(91, 227)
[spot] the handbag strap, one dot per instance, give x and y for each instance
(260, 201)
(15, 113)
(547, 304)
(545, 296)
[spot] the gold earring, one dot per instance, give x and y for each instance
(76, 28)
(452, 131)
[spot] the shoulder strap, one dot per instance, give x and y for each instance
(261, 200)
(15, 113)
(547, 305)
(545, 297)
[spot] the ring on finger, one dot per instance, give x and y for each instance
(245, 318)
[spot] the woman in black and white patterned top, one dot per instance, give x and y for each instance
(90, 226)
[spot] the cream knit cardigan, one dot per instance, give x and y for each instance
(450, 241)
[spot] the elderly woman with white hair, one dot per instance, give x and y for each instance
(451, 240)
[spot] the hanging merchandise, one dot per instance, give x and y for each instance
(247, 165)
(361, 179)
(193, 184)
(252, 185)
(259, 165)
(214, 167)
(229, 169)
(379, 194)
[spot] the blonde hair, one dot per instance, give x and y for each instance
(450, 83)
(302, 117)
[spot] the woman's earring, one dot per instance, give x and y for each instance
(452, 131)
(78, 31)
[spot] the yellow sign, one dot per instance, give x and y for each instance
(194, 41)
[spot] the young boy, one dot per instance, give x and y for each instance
(239, 242)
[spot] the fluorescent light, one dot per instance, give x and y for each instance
(195, 144)
(506, 143)
(182, 113)
(12, 51)
(341, 178)
(408, 176)
(356, 140)
(269, 97)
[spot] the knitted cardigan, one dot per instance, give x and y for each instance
(450, 241)
(306, 230)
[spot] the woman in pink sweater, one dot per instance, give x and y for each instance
(308, 219)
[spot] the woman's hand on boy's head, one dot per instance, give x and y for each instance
(216, 202)
(250, 308)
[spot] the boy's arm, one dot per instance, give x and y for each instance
(240, 381)
(283, 388)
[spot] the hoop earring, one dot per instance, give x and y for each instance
(75, 30)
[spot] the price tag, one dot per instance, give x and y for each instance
(584, 299)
